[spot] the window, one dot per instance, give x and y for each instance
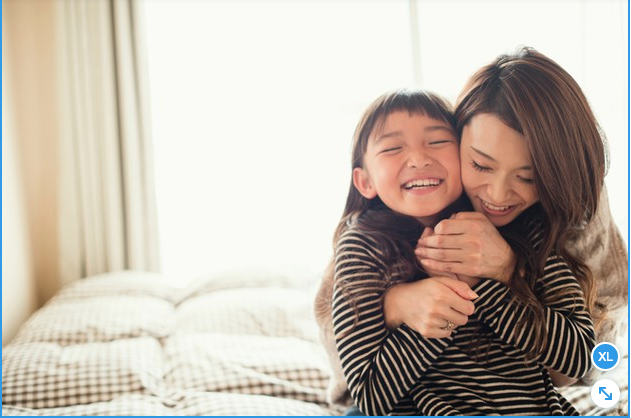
(254, 104)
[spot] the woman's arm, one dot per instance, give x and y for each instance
(570, 330)
(380, 366)
(469, 244)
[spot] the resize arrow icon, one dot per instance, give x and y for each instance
(608, 396)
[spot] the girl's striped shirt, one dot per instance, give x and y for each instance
(401, 372)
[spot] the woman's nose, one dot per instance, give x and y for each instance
(498, 190)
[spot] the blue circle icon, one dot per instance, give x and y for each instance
(605, 356)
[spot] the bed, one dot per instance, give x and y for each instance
(129, 343)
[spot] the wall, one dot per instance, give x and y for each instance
(29, 160)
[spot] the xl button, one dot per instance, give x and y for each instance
(605, 356)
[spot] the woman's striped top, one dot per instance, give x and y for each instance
(401, 372)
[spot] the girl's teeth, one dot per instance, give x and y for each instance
(422, 183)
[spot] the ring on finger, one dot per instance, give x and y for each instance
(449, 326)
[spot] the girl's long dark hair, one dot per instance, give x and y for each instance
(534, 96)
(394, 234)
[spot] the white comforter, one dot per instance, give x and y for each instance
(129, 344)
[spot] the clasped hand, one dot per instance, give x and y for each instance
(454, 254)
(467, 244)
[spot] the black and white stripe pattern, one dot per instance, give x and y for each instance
(401, 372)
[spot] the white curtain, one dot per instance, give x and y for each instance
(107, 202)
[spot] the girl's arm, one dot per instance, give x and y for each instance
(380, 367)
(560, 380)
(570, 330)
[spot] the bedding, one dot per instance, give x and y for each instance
(129, 343)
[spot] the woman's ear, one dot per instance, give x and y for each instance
(362, 183)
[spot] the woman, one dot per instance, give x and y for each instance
(530, 95)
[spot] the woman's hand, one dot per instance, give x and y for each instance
(471, 281)
(427, 306)
(467, 244)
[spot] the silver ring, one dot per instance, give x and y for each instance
(449, 325)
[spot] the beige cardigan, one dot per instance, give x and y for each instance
(599, 245)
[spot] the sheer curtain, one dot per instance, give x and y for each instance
(107, 205)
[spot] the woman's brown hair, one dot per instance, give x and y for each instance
(536, 97)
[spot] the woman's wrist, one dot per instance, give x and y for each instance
(506, 274)
(390, 312)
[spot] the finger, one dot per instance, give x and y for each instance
(458, 318)
(442, 241)
(459, 306)
(448, 303)
(462, 307)
(445, 255)
(460, 288)
(449, 266)
(468, 216)
(456, 226)
(433, 328)
(427, 232)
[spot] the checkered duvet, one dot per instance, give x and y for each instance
(128, 343)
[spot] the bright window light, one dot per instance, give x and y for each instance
(254, 104)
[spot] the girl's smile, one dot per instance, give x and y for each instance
(412, 164)
(422, 184)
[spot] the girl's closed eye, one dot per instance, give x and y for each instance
(525, 180)
(390, 150)
(441, 142)
(480, 167)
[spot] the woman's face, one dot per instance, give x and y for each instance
(412, 164)
(496, 168)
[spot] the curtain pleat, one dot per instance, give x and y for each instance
(107, 199)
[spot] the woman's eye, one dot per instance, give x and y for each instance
(526, 181)
(480, 167)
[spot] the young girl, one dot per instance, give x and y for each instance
(404, 150)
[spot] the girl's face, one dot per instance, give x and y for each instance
(497, 171)
(412, 164)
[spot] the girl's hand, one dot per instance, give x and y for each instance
(428, 305)
(467, 244)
